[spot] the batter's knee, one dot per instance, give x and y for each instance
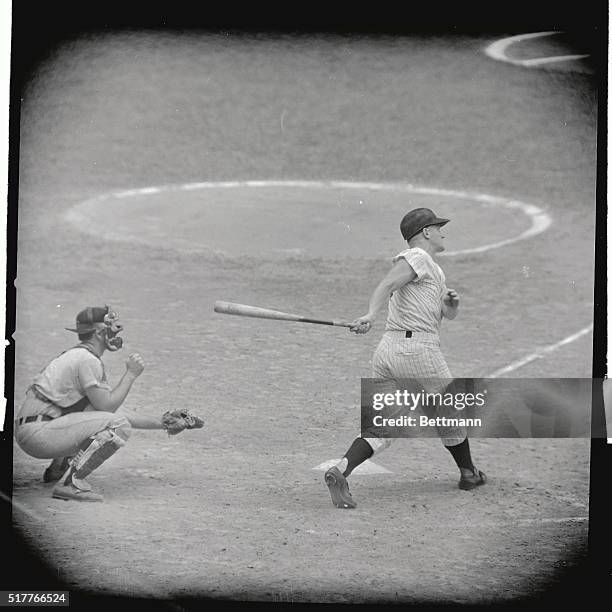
(453, 440)
(379, 444)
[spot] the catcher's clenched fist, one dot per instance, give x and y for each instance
(134, 364)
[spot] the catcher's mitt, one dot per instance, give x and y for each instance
(175, 421)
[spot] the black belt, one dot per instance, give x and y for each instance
(408, 334)
(32, 419)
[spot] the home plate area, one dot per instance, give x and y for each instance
(366, 468)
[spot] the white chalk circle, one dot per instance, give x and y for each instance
(327, 219)
(498, 51)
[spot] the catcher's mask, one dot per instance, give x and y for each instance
(96, 318)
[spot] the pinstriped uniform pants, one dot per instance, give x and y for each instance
(418, 358)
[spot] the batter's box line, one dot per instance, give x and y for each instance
(21, 507)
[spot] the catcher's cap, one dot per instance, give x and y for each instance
(86, 319)
(414, 221)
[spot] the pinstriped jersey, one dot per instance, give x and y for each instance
(417, 306)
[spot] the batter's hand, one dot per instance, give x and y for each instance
(134, 364)
(451, 298)
(362, 325)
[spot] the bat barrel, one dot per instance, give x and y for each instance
(244, 310)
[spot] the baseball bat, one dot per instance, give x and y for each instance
(244, 310)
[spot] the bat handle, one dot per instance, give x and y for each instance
(338, 322)
(342, 323)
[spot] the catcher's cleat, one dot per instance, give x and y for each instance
(56, 469)
(81, 484)
(70, 492)
(475, 479)
(339, 489)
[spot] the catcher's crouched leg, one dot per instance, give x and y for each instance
(93, 452)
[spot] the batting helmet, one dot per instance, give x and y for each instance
(414, 221)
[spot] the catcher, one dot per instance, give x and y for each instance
(73, 416)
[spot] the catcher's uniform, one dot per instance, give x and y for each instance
(56, 417)
(57, 421)
(410, 346)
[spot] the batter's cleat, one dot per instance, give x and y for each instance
(339, 489)
(56, 469)
(70, 492)
(473, 480)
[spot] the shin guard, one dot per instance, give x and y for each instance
(101, 446)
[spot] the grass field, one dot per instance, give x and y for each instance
(236, 511)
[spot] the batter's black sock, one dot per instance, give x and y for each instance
(462, 456)
(359, 451)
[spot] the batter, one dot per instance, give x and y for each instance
(417, 298)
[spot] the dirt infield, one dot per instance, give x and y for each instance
(236, 510)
